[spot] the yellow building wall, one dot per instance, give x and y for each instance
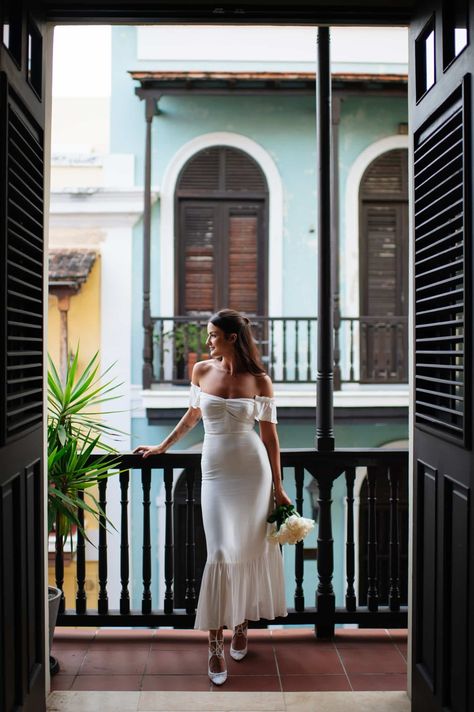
(83, 329)
(83, 320)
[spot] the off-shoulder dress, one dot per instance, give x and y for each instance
(243, 576)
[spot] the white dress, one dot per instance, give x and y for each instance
(243, 577)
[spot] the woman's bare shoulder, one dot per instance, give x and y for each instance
(264, 385)
(199, 369)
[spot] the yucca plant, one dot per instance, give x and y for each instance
(75, 432)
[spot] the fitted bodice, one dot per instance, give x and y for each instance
(231, 415)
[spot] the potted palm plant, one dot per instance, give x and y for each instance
(75, 431)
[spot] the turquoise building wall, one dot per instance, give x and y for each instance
(285, 126)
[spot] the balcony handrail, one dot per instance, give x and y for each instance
(367, 349)
(322, 467)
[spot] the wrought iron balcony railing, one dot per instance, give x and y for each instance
(373, 538)
(367, 349)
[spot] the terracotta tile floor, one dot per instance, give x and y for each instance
(288, 660)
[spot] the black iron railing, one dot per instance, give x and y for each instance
(367, 349)
(387, 473)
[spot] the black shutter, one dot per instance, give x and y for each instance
(24, 281)
(440, 281)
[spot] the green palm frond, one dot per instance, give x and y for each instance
(76, 431)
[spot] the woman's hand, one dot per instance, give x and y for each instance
(281, 497)
(147, 450)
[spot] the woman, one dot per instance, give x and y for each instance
(243, 577)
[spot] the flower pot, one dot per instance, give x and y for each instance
(192, 360)
(54, 599)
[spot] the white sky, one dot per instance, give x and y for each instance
(82, 61)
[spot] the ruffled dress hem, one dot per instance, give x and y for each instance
(238, 591)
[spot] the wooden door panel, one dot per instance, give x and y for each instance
(443, 625)
(22, 537)
(199, 246)
(243, 255)
(221, 257)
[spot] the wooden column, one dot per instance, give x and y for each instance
(335, 119)
(324, 383)
(147, 372)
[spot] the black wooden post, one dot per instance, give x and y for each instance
(324, 382)
(147, 374)
(325, 598)
(335, 120)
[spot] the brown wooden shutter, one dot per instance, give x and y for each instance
(243, 263)
(198, 229)
(201, 172)
(383, 268)
(382, 225)
(387, 176)
(221, 198)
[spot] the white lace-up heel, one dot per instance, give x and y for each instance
(240, 630)
(216, 647)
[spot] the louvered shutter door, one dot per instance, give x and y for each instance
(24, 252)
(243, 263)
(387, 176)
(221, 196)
(242, 173)
(439, 277)
(201, 172)
(198, 258)
(383, 269)
(382, 225)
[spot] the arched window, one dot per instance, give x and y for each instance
(221, 209)
(383, 268)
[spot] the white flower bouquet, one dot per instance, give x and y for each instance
(289, 526)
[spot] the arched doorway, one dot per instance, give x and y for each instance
(383, 258)
(222, 234)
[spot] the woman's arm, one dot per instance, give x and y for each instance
(269, 435)
(187, 423)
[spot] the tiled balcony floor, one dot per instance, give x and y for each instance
(278, 661)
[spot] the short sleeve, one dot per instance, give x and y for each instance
(194, 396)
(265, 409)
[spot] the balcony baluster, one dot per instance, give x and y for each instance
(146, 550)
(103, 600)
(169, 544)
(81, 600)
(124, 548)
(394, 546)
(350, 547)
(299, 561)
(372, 589)
(190, 595)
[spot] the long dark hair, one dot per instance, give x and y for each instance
(232, 322)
